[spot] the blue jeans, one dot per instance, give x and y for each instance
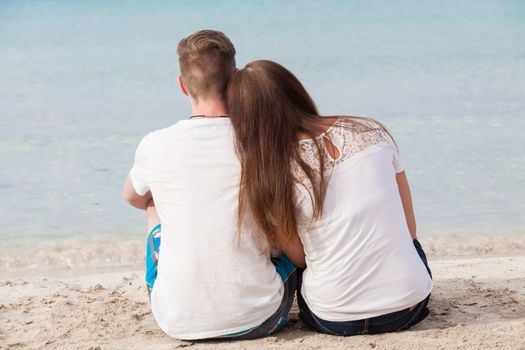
(284, 268)
(395, 321)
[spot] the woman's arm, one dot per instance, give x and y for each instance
(295, 252)
(406, 199)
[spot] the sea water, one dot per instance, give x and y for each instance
(82, 82)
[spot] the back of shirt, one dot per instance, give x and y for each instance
(360, 258)
(211, 281)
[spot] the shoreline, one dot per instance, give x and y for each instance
(71, 257)
(477, 303)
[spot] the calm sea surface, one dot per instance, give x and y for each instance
(82, 82)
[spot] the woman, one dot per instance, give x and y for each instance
(339, 185)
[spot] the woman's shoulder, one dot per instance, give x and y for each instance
(343, 137)
(353, 135)
(347, 129)
(324, 125)
(358, 124)
(331, 125)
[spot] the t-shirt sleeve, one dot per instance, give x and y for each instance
(138, 172)
(397, 162)
(399, 165)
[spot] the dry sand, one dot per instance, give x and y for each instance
(477, 303)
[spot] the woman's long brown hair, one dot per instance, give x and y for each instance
(269, 108)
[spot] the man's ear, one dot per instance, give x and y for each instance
(182, 87)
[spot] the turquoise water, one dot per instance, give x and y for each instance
(82, 82)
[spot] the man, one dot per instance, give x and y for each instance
(212, 279)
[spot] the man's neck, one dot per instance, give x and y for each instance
(211, 107)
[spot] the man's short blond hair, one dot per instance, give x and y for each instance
(207, 62)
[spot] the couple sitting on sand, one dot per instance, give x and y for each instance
(257, 196)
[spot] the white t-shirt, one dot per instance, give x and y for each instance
(360, 258)
(210, 281)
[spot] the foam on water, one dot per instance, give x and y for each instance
(69, 256)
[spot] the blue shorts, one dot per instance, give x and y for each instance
(152, 256)
(284, 267)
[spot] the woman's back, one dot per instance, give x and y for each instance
(360, 256)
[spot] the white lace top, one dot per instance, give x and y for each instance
(361, 261)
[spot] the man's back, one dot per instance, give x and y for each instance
(210, 280)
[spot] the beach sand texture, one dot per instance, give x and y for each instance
(477, 303)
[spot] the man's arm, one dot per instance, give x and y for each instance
(133, 198)
(406, 199)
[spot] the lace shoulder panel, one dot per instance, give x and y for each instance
(349, 135)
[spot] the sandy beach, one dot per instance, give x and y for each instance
(478, 302)
(83, 82)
